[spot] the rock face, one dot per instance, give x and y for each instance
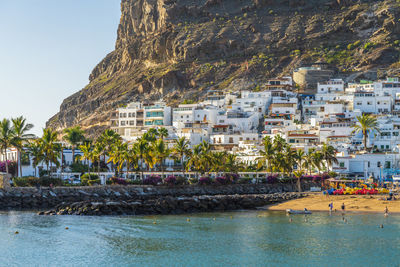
(171, 205)
(62, 197)
(178, 49)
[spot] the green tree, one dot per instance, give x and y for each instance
(35, 151)
(108, 139)
(50, 147)
(74, 136)
(329, 155)
(163, 133)
(181, 150)
(141, 149)
(161, 153)
(267, 155)
(7, 135)
(87, 149)
(21, 136)
(366, 123)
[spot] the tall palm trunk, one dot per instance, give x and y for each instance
(19, 163)
(5, 157)
(365, 139)
(73, 154)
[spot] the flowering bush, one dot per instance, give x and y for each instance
(119, 181)
(222, 180)
(12, 167)
(180, 180)
(272, 179)
(205, 181)
(152, 180)
(170, 180)
(232, 177)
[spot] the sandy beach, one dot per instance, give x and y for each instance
(353, 203)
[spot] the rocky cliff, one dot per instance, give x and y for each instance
(178, 49)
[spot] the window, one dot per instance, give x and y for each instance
(369, 103)
(341, 164)
(122, 123)
(231, 140)
(378, 164)
(359, 103)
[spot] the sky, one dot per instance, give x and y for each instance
(48, 49)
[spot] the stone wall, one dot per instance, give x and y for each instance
(46, 198)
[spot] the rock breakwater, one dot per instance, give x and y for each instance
(171, 205)
(140, 198)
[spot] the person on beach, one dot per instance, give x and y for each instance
(386, 211)
(330, 206)
(343, 207)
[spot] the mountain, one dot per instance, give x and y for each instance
(179, 49)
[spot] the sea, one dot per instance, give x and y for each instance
(244, 238)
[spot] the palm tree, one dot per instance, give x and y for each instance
(21, 135)
(181, 149)
(231, 164)
(317, 159)
(97, 153)
(217, 160)
(131, 159)
(163, 133)
(35, 151)
(300, 158)
(366, 123)
(7, 135)
(329, 155)
(116, 155)
(108, 139)
(74, 136)
(267, 155)
(141, 148)
(87, 150)
(308, 160)
(161, 152)
(50, 147)
(195, 160)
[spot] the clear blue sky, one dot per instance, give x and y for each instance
(48, 49)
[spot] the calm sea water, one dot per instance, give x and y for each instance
(232, 239)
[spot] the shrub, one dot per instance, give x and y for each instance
(316, 178)
(245, 180)
(193, 181)
(78, 167)
(232, 177)
(333, 174)
(272, 179)
(134, 182)
(170, 180)
(152, 180)
(180, 180)
(118, 181)
(25, 181)
(90, 179)
(47, 181)
(12, 167)
(205, 181)
(222, 180)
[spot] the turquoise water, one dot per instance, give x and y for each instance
(247, 239)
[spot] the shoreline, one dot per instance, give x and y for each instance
(353, 204)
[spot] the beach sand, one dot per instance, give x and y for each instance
(353, 203)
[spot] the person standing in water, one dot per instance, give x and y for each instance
(343, 207)
(330, 207)
(386, 211)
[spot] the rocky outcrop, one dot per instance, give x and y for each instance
(33, 199)
(178, 49)
(171, 205)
